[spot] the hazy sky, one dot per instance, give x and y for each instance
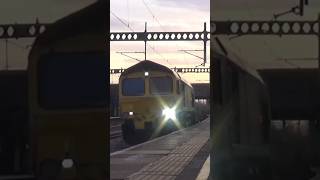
(161, 15)
(175, 15)
(263, 51)
(26, 11)
(171, 15)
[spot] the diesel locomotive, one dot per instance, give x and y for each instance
(153, 99)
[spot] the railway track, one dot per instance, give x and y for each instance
(116, 141)
(116, 134)
(115, 127)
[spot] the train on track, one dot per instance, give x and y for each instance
(154, 99)
(247, 100)
(241, 116)
(59, 130)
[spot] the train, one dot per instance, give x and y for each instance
(246, 142)
(154, 99)
(51, 111)
(67, 75)
(240, 122)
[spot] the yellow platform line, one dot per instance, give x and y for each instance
(205, 170)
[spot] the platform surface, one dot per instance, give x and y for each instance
(165, 157)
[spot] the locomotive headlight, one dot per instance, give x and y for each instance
(169, 113)
(67, 163)
(125, 115)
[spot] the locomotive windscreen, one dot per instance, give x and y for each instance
(161, 85)
(133, 87)
(69, 80)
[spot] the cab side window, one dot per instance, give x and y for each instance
(217, 79)
(178, 87)
(182, 85)
(181, 88)
(192, 96)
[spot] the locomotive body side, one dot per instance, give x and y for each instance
(241, 117)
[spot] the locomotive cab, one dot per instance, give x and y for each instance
(153, 99)
(68, 98)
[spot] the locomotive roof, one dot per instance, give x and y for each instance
(234, 57)
(89, 19)
(152, 66)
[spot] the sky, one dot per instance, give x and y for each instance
(164, 16)
(172, 15)
(263, 52)
(27, 11)
(260, 51)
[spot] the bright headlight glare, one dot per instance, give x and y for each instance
(169, 113)
(130, 113)
(67, 163)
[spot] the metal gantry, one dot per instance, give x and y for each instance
(264, 27)
(239, 28)
(164, 36)
(179, 70)
(8, 31)
(279, 28)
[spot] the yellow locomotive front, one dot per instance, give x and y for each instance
(150, 101)
(68, 98)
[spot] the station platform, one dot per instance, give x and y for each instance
(179, 155)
